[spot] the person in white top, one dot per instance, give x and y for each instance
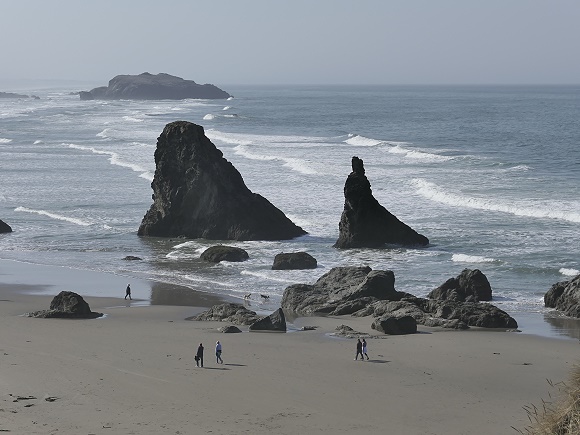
(218, 352)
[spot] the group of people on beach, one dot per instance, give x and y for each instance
(218, 354)
(361, 349)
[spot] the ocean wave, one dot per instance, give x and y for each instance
(519, 168)
(54, 216)
(435, 193)
(208, 117)
(268, 140)
(266, 276)
(230, 98)
(463, 258)
(227, 108)
(569, 272)
(4, 140)
(295, 164)
(415, 154)
(361, 141)
(104, 134)
(114, 159)
(36, 142)
(132, 119)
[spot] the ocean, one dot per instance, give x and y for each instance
(490, 174)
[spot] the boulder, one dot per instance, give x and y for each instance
(274, 322)
(565, 297)
(67, 305)
(395, 325)
(132, 258)
(468, 286)
(218, 253)
(4, 227)
(147, 86)
(199, 194)
(293, 261)
(229, 329)
(228, 312)
(367, 224)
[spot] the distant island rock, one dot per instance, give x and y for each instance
(148, 86)
(4, 227)
(197, 193)
(565, 297)
(10, 95)
(367, 224)
(67, 305)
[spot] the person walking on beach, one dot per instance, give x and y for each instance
(128, 292)
(359, 347)
(364, 348)
(218, 353)
(199, 355)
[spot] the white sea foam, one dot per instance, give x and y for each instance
(230, 98)
(36, 142)
(416, 154)
(114, 159)
(209, 117)
(204, 280)
(4, 140)
(104, 133)
(569, 272)
(266, 276)
(519, 168)
(463, 258)
(54, 216)
(227, 108)
(361, 141)
(297, 165)
(435, 193)
(132, 119)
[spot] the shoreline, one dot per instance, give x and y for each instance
(133, 372)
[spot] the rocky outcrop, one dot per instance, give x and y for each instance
(361, 292)
(229, 312)
(153, 87)
(565, 297)
(294, 261)
(4, 227)
(10, 95)
(68, 305)
(395, 325)
(274, 322)
(367, 224)
(199, 194)
(132, 258)
(468, 286)
(218, 253)
(229, 329)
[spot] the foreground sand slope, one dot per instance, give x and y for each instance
(133, 373)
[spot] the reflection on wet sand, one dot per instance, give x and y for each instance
(171, 294)
(564, 325)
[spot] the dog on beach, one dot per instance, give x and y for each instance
(265, 297)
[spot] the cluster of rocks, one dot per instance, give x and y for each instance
(565, 297)
(67, 305)
(282, 261)
(148, 86)
(240, 315)
(11, 95)
(4, 227)
(360, 291)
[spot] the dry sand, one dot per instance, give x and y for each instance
(133, 372)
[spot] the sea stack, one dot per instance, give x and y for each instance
(197, 193)
(367, 224)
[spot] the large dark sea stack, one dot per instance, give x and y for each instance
(4, 227)
(153, 87)
(197, 193)
(565, 297)
(468, 286)
(367, 224)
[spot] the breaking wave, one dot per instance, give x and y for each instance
(569, 272)
(53, 216)
(463, 258)
(295, 164)
(361, 141)
(4, 140)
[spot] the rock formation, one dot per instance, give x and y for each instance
(10, 95)
(468, 286)
(395, 325)
(294, 261)
(67, 305)
(361, 292)
(229, 329)
(147, 86)
(218, 253)
(4, 227)
(565, 297)
(274, 322)
(197, 193)
(229, 312)
(367, 224)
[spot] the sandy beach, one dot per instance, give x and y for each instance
(133, 372)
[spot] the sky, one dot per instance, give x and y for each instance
(294, 41)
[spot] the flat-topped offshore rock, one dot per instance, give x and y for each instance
(367, 224)
(147, 86)
(197, 193)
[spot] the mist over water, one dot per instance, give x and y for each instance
(489, 174)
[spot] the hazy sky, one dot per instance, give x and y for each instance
(294, 41)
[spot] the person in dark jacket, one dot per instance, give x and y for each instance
(359, 350)
(199, 355)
